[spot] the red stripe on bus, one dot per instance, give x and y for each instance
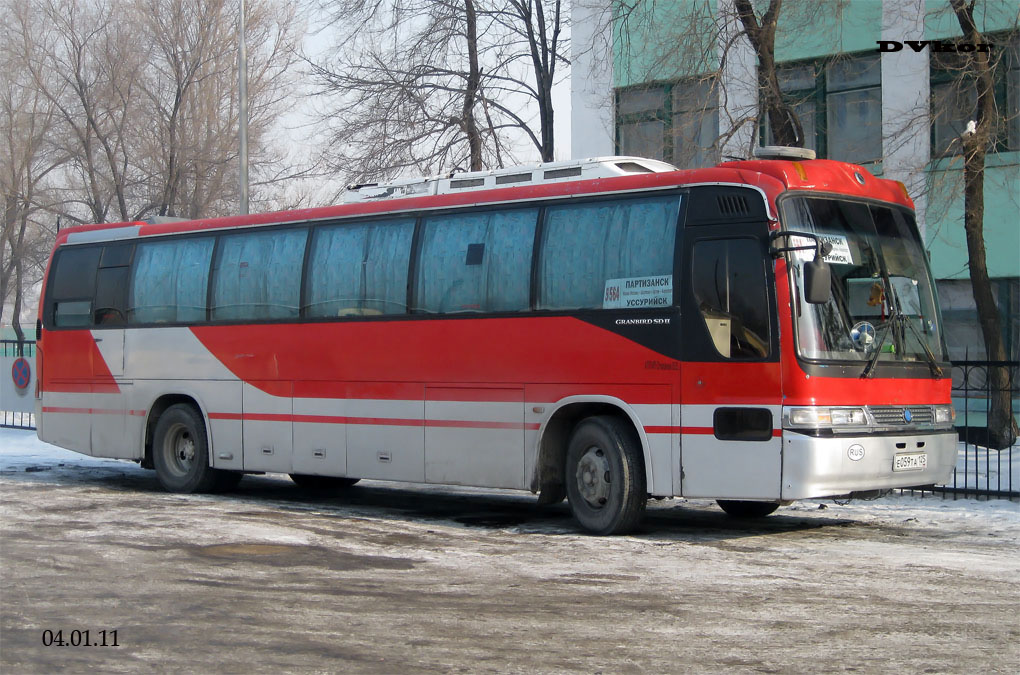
(776, 433)
(224, 416)
(464, 424)
(93, 411)
(71, 411)
(372, 421)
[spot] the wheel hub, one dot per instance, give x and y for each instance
(185, 450)
(179, 450)
(593, 477)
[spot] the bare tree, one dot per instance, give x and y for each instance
(426, 86)
(534, 34)
(86, 64)
(761, 32)
(978, 70)
(149, 127)
(100, 125)
(406, 80)
(190, 87)
(695, 45)
(27, 162)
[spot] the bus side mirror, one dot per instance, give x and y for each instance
(817, 281)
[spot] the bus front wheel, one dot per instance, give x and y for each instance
(605, 476)
(180, 453)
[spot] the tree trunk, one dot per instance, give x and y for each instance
(783, 121)
(474, 81)
(1002, 427)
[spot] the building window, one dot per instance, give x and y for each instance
(954, 99)
(677, 122)
(959, 315)
(695, 127)
(839, 104)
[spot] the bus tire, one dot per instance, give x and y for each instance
(745, 509)
(180, 452)
(310, 482)
(605, 476)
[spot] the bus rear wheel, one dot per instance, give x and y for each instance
(605, 476)
(310, 482)
(744, 509)
(180, 453)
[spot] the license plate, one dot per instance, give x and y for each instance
(910, 461)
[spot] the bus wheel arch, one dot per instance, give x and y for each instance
(178, 447)
(156, 410)
(605, 475)
(549, 475)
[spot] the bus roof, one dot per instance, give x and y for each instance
(770, 176)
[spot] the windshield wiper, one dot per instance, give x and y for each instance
(896, 318)
(933, 365)
(869, 369)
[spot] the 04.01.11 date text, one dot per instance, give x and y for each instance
(80, 638)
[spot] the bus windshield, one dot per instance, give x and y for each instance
(882, 306)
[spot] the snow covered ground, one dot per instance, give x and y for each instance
(22, 453)
(400, 578)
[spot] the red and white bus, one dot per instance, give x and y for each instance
(605, 330)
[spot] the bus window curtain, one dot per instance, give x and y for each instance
(258, 275)
(585, 245)
(479, 262)
(360, 269)
(170, 281)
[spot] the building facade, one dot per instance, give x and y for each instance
(873, 82)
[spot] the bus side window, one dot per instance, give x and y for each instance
(585, 245)
(110, 306)
(170, 281)
(728, 282)
(359, 269)
(111, 296)
(73, 285)
(257, 275)
(476, 262)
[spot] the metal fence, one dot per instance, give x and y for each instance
(17, 403)
(14, 348)
(15, 419)
(981, 472)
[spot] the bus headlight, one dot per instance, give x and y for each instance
(945, 414)
(827, 417)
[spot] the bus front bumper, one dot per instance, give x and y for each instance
(830, 466)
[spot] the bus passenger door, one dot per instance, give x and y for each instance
(110, 392)
(731, 443)
(110, 396)
(474, 436)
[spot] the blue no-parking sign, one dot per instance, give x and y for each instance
(21, 373)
